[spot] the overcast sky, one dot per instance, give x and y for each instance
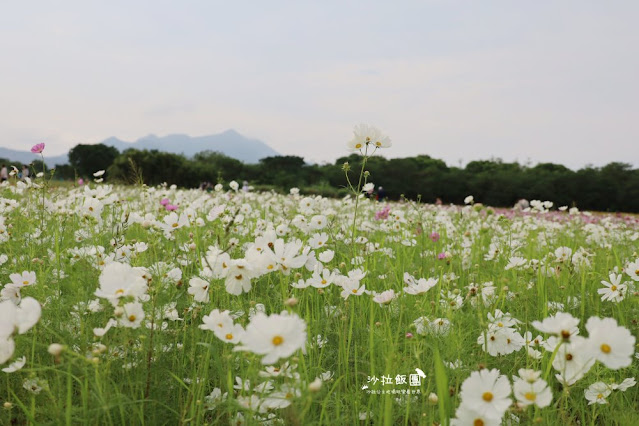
(459, 80)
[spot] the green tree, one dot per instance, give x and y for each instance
(88, 159)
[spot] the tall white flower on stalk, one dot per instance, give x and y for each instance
(366, 135)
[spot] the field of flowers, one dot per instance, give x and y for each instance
(141, 305)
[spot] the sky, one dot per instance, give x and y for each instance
(541, 81)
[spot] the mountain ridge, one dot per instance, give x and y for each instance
(229, 142)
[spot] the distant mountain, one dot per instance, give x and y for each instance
(26, 157)
(229, 143)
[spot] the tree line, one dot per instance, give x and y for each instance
(614, 187)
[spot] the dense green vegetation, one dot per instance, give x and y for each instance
(614, 187)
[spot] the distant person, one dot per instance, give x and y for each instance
(4, 173)
(381, 194)
(25, 172)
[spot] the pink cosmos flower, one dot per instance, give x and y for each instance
(434, 236)
(171, 207)
(409, 335)
(165, 201)
(383, 213)
(37, 148)
(441, 256)
(80, 181)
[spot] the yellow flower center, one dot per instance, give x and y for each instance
(238, 277)
(605, 348)
(132, 318)
(175, 225)
(119, 292)
(568, 357)
(565, 334)
(354, 290)
(487, 396)
(358, 146)
(278, 340)
(500, 324)
(229, 336)
(530, 396)
(323, 281)
(25, 282)
(378, 144)
(613, 287)
(599, 396)
(478, 422)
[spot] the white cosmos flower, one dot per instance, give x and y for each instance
(572, 360)
(133, 315)
(217, 320)
(385, 297)
(597, 393)
(199, 289)
(516, 262)
(98, 173)
(351, 287)
(26, 278)
(326, 256)
(368, 187)
(561, 324)
(16, 318)
(420, 286)
(318, 240)
(633, 270)
(119, 280)
(609, 343)
(238, 278)
(11, 292)
(15, 365)
(275, 336)
(99, 332)
(465, 416)
(625, 385)
(487, 393)
(318, 222)
(530, 389)
(613, 291)
(365, 135)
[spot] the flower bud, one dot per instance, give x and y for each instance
(55, 349)
(315, 385)
(292, 301)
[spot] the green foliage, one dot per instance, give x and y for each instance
(614, 187)
(88, 159)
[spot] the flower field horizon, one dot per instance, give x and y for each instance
(158, 305)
